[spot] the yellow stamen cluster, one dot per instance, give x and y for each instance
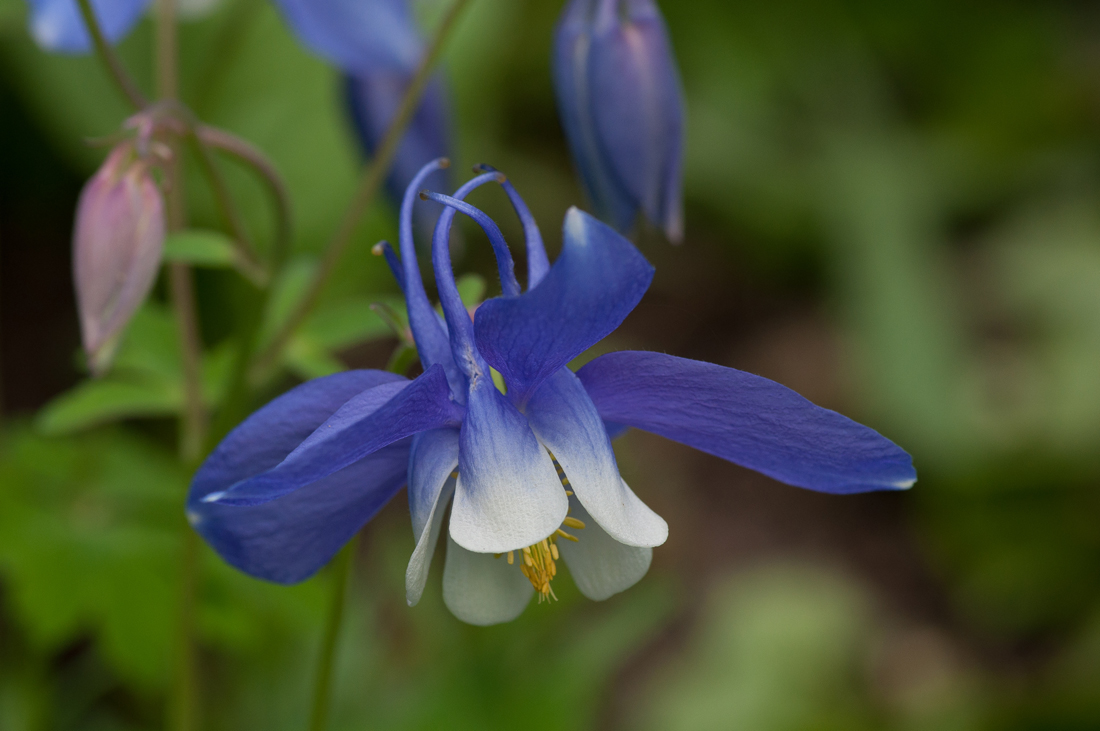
(539, 560)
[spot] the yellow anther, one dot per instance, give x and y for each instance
(554, 551)
(562, 534)
(573, 523)
(511, 557)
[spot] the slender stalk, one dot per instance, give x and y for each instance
(234, 406)
(110, 59)
(322, 689)
(185, 707)
(250, 156)
(369, 185)
(247, 261)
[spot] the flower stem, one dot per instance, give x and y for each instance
(251, 157)
(369, 185)
(185, 707)
(322, 688)
(110, 59)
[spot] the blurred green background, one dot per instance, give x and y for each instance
(893, 208)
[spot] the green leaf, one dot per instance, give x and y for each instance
(89, 535)
(96, 402)
(201, 247)
(349, 322)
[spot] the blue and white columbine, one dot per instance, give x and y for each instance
(530, 475)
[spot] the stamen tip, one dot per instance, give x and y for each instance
(444, 162)
(424, 195)
(379, 248)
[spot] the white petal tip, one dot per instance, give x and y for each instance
(213, 497)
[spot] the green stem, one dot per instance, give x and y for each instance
(251, 157)
(247, 262)
(369, 185)
(341, 568)
(110, 59)
(185, 706)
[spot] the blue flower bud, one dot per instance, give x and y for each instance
(621, 104)
(58, 26)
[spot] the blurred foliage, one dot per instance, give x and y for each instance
(926, 173)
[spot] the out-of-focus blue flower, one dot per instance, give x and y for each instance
(622, 108)
(358, 36)
(530, 474)
(373, 100)
(58, 26)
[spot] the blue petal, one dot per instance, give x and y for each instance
(508, 494)
(592, 287)
(289, 539)
(572, 84)
(637, 110)
(373, 100)
(745, 419)
(358, 36)
(565, 421)
(368, 422)
(58, 26)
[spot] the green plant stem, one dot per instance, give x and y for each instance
(369, 185)
(184, 708)
(255, 160)
(234, 406)
(341, 568)
(110, 59)
(247, 263)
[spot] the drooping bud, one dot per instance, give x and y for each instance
(117, 244)
(621, 104)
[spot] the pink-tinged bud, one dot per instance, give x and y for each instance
(117, 245)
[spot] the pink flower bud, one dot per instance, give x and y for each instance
(117, 245)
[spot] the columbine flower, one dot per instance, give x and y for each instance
(621, 105)
(530, 475)
(118, 239)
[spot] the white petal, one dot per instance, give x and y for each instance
(416, 575)
(564, 419)
(601, 566)
(432, 459)
(508, 494)
(481, 589)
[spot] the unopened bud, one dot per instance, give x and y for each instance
(117, 245)
(622, 109)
